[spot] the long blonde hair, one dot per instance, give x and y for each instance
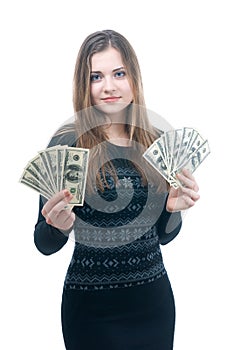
(89, 122)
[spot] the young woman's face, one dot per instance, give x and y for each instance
(110, 89)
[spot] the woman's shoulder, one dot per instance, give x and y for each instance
(65, 135)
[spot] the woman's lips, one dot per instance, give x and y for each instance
(110, 99)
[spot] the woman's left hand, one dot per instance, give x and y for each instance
(184, 197)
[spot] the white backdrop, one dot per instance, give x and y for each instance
(185, 49)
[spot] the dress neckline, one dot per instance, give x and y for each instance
(118, 146)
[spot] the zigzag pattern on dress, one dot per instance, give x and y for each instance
(73, 278)
(125, 211)
(129, 251)
(114, 285)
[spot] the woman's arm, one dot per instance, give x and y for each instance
(170, 221)
(48, 239)
(168, 225)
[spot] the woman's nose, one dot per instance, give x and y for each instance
(109, 84)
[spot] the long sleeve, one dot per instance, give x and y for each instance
(169, 225)
(47, 238)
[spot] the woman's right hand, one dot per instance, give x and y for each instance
(57, 211)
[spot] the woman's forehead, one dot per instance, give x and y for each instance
(109, 59)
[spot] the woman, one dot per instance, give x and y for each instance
(117, 294)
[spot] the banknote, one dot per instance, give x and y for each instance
(28, 179)
(74, 173)
(57, 168)
(177, 149)
(196, 157)
(157, 158)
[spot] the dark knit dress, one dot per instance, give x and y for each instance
(117, 295)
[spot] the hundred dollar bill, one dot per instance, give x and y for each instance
(46, 169)
(183, 147)
(177, 149)
(28, 179)
(197, 157)
(51, 158)
(169, 146)
(154, 156)
(61, 151)
(35, 167)
(75, 173)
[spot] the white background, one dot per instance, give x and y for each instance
(185, 49)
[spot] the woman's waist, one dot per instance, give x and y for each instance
(125, 264)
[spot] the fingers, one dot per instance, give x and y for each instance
(190, 187)
(58, 216)
(188, 180)
(62, 197)
(57, 212)
(65, 222)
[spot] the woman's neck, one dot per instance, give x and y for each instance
(117, 134)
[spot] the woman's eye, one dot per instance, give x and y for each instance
(120, 74)
(95, 77)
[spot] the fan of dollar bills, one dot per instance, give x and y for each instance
(177, 149)
(57, 168)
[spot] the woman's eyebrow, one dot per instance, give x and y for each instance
(114, 70)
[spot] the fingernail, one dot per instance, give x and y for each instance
(68, 197)
(66, 193)
(43, 212)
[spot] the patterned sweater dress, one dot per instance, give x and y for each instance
(117, 295)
